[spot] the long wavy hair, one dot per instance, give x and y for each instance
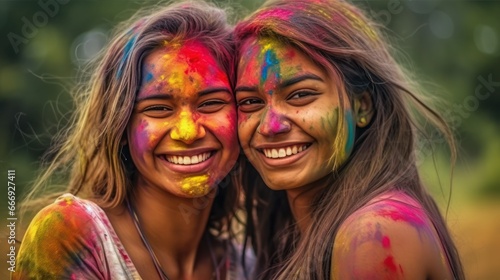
(338, 37)
(89, 159)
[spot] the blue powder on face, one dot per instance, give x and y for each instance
(271, 65)
(148, 77)
(350, 132)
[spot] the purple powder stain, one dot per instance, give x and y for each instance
(275, 123)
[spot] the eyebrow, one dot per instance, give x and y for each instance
(299, 78)
(285, 83)
(168, 96)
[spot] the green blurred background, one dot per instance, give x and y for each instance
(452, 46)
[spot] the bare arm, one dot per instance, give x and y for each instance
(389, 239)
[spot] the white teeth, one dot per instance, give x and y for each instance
(284, 152)
(194, 160)
(188, 160)
(274, 153)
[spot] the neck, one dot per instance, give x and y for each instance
(174, 226)
(301, 200)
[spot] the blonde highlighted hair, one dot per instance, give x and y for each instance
(89, 158)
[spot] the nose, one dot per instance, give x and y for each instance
(273, 123)
(187, 129)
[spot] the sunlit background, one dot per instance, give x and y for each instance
(452, 46)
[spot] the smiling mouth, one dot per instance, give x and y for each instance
(188, 160)
(284, 151)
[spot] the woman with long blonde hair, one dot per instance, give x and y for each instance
(146, 160)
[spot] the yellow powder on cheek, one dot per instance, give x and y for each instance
(196, 185)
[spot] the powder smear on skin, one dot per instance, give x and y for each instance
(186, 127)
(196, 185)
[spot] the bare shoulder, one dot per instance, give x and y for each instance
(389, 238)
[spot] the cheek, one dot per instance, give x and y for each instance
(350, 132)
(246, 125)
(242, 117)
(143, 136)
(329, 123)
(224, 127)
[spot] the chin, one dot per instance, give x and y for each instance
(280, 184)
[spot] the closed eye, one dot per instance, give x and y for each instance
(157, 108)
(212, 106)
(157, 111)
(302, 97)
(250, 104)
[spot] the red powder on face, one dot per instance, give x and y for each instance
(389, 263)
(199, 60)
(386, 242)
(290, 54)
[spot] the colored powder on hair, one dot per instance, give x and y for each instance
(324, 14)
(196, 185)
(359, 24)
(278, 13)
(128, 49)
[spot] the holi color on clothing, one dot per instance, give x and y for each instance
(73, 239)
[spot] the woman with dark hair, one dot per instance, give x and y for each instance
(146, 160)
(329, 121)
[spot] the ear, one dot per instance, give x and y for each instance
(363, 109)
(124, 140)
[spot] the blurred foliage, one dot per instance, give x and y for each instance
(453, 46)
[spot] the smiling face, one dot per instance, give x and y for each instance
(182, 132)
(288, 115)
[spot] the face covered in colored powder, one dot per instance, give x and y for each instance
(288, 115)
(182, 132)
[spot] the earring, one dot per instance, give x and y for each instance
(123, 152)
(362, 120)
